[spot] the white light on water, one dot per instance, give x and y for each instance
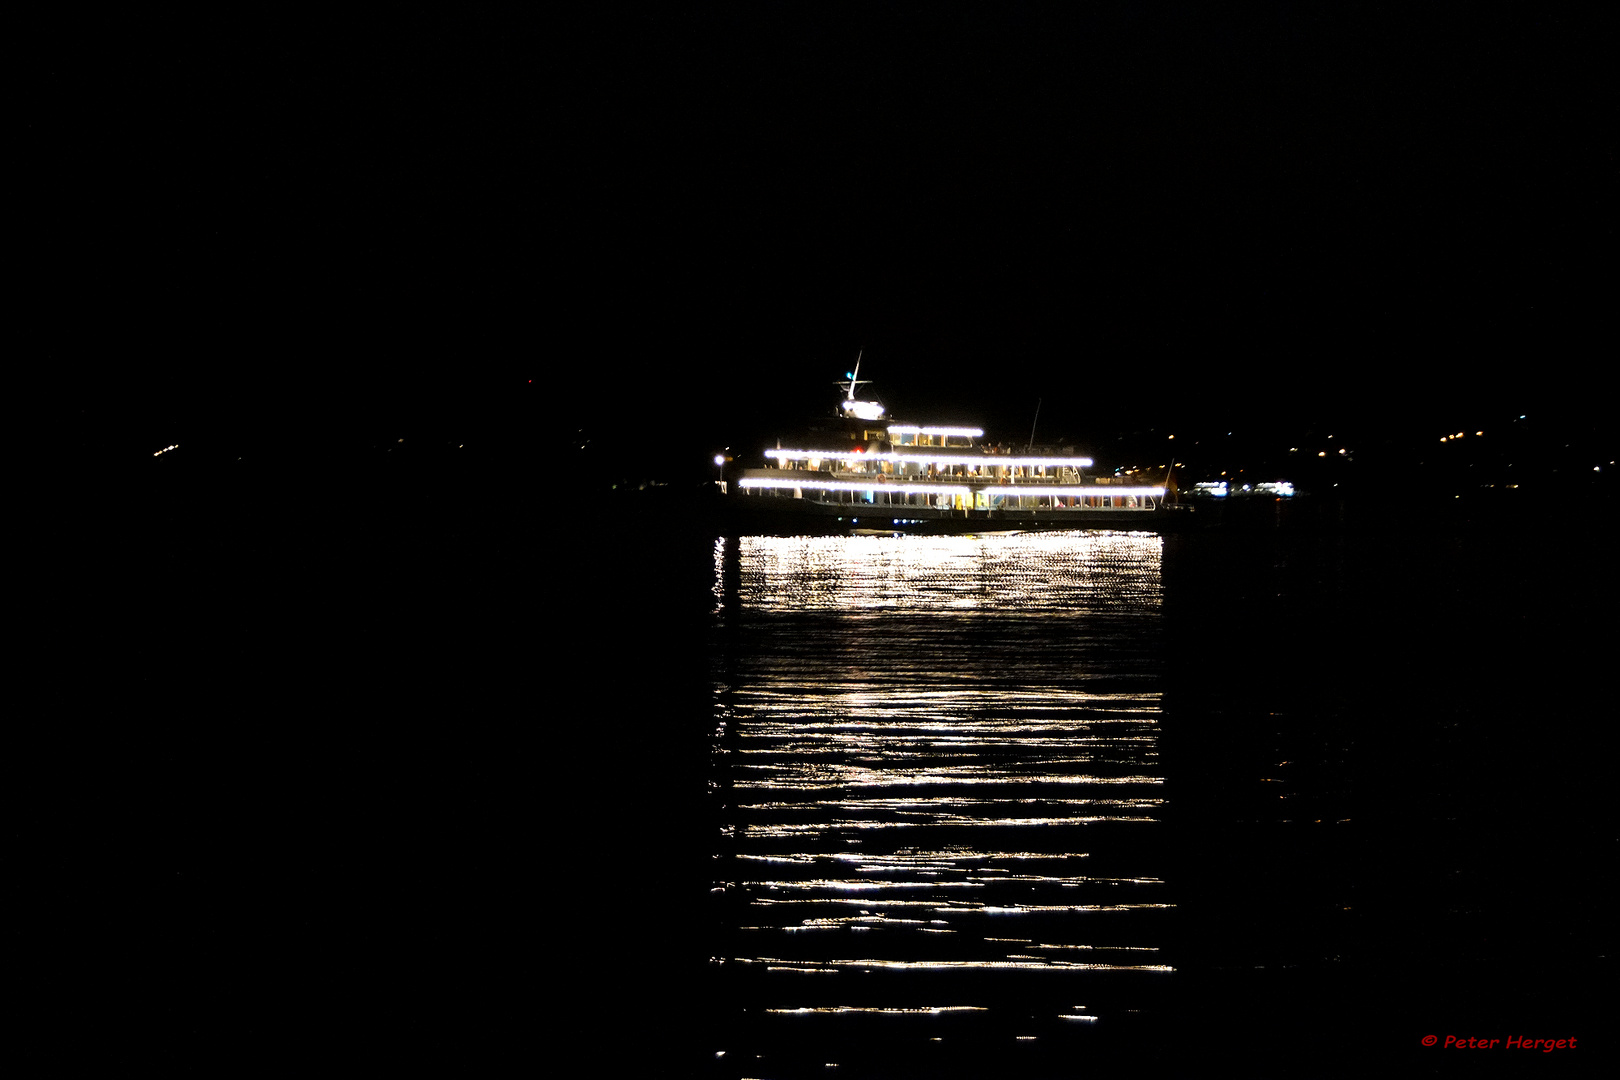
(933, 771)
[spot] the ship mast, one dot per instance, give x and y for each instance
(850, 407)
(849, 385)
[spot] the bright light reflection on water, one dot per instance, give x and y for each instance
(1009, 572)
(926, 746)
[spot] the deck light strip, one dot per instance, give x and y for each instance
(912, 429)
(836, 485)
(991, 460)
(1087, 491)
(1037, 490)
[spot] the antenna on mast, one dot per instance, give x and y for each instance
(852, 382)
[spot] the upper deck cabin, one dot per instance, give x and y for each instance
(919, 452)
(945, 438)
(840, 434)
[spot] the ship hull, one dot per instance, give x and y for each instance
(782, 516)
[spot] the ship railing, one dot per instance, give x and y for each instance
(942, 477)
(980, 498)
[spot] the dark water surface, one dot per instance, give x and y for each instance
(1293, 798)
(420, 780)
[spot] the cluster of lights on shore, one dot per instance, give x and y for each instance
(1478, 434)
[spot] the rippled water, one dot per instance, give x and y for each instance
(938, 768)
(1032, 805)
(1289, 795)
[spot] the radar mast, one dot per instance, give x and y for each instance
(860, 410)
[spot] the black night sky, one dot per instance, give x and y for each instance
(582, 249)
(677, 227)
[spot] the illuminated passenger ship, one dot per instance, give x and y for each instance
(862, 473)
